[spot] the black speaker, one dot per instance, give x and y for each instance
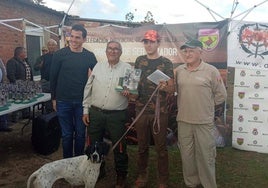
(46, 133)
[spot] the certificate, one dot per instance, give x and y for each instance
(158, 76)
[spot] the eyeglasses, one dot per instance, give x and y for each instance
(109, 49)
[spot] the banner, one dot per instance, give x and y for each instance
(248, 53)
(250, 110)
(248, 45)
(213, 36)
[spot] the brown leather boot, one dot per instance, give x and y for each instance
(121, 181)
(162, 186)
(141, 181)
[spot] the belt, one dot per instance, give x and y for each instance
(105, 111)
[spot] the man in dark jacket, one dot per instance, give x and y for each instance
(19, 69)
(43, 65)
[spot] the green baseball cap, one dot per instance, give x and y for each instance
(193, 43)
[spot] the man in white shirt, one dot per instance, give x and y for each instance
(105, 108)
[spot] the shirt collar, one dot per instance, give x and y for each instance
(200, 66)
(113, 66)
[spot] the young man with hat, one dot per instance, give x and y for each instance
(200, 88)
(146, 125)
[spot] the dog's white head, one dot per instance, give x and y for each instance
(97, 151)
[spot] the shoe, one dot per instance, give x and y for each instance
(163, 186)
(121, 182)
(102, 173)
(6, 129)
(197, 186)
(141, 181)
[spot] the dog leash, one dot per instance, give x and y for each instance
(156, 124)
(137, 117)
(88, 138)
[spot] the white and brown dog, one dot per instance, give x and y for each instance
(81, 170)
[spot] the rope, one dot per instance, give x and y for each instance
(137, 117)
(156, 125)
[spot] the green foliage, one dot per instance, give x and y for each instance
(148, 19)
(129, 17)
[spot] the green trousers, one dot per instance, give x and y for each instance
(113, 124)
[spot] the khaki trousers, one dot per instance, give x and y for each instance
(198, 152)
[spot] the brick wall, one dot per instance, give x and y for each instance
(15, 9)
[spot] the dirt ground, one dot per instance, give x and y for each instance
(18, 160)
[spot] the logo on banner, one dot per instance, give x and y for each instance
(240, 118)
(257, 85)
(240, 141)
(253, 39)
(255, 107)
(242, 83)
(243, 73)
(255, 131)
(241, 94)
(209, 38)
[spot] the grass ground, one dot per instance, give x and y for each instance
(234, 168)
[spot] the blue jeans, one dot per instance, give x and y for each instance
(3, 121)
(72, 128)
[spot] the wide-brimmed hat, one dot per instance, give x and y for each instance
(151, 35)
(193, 43)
